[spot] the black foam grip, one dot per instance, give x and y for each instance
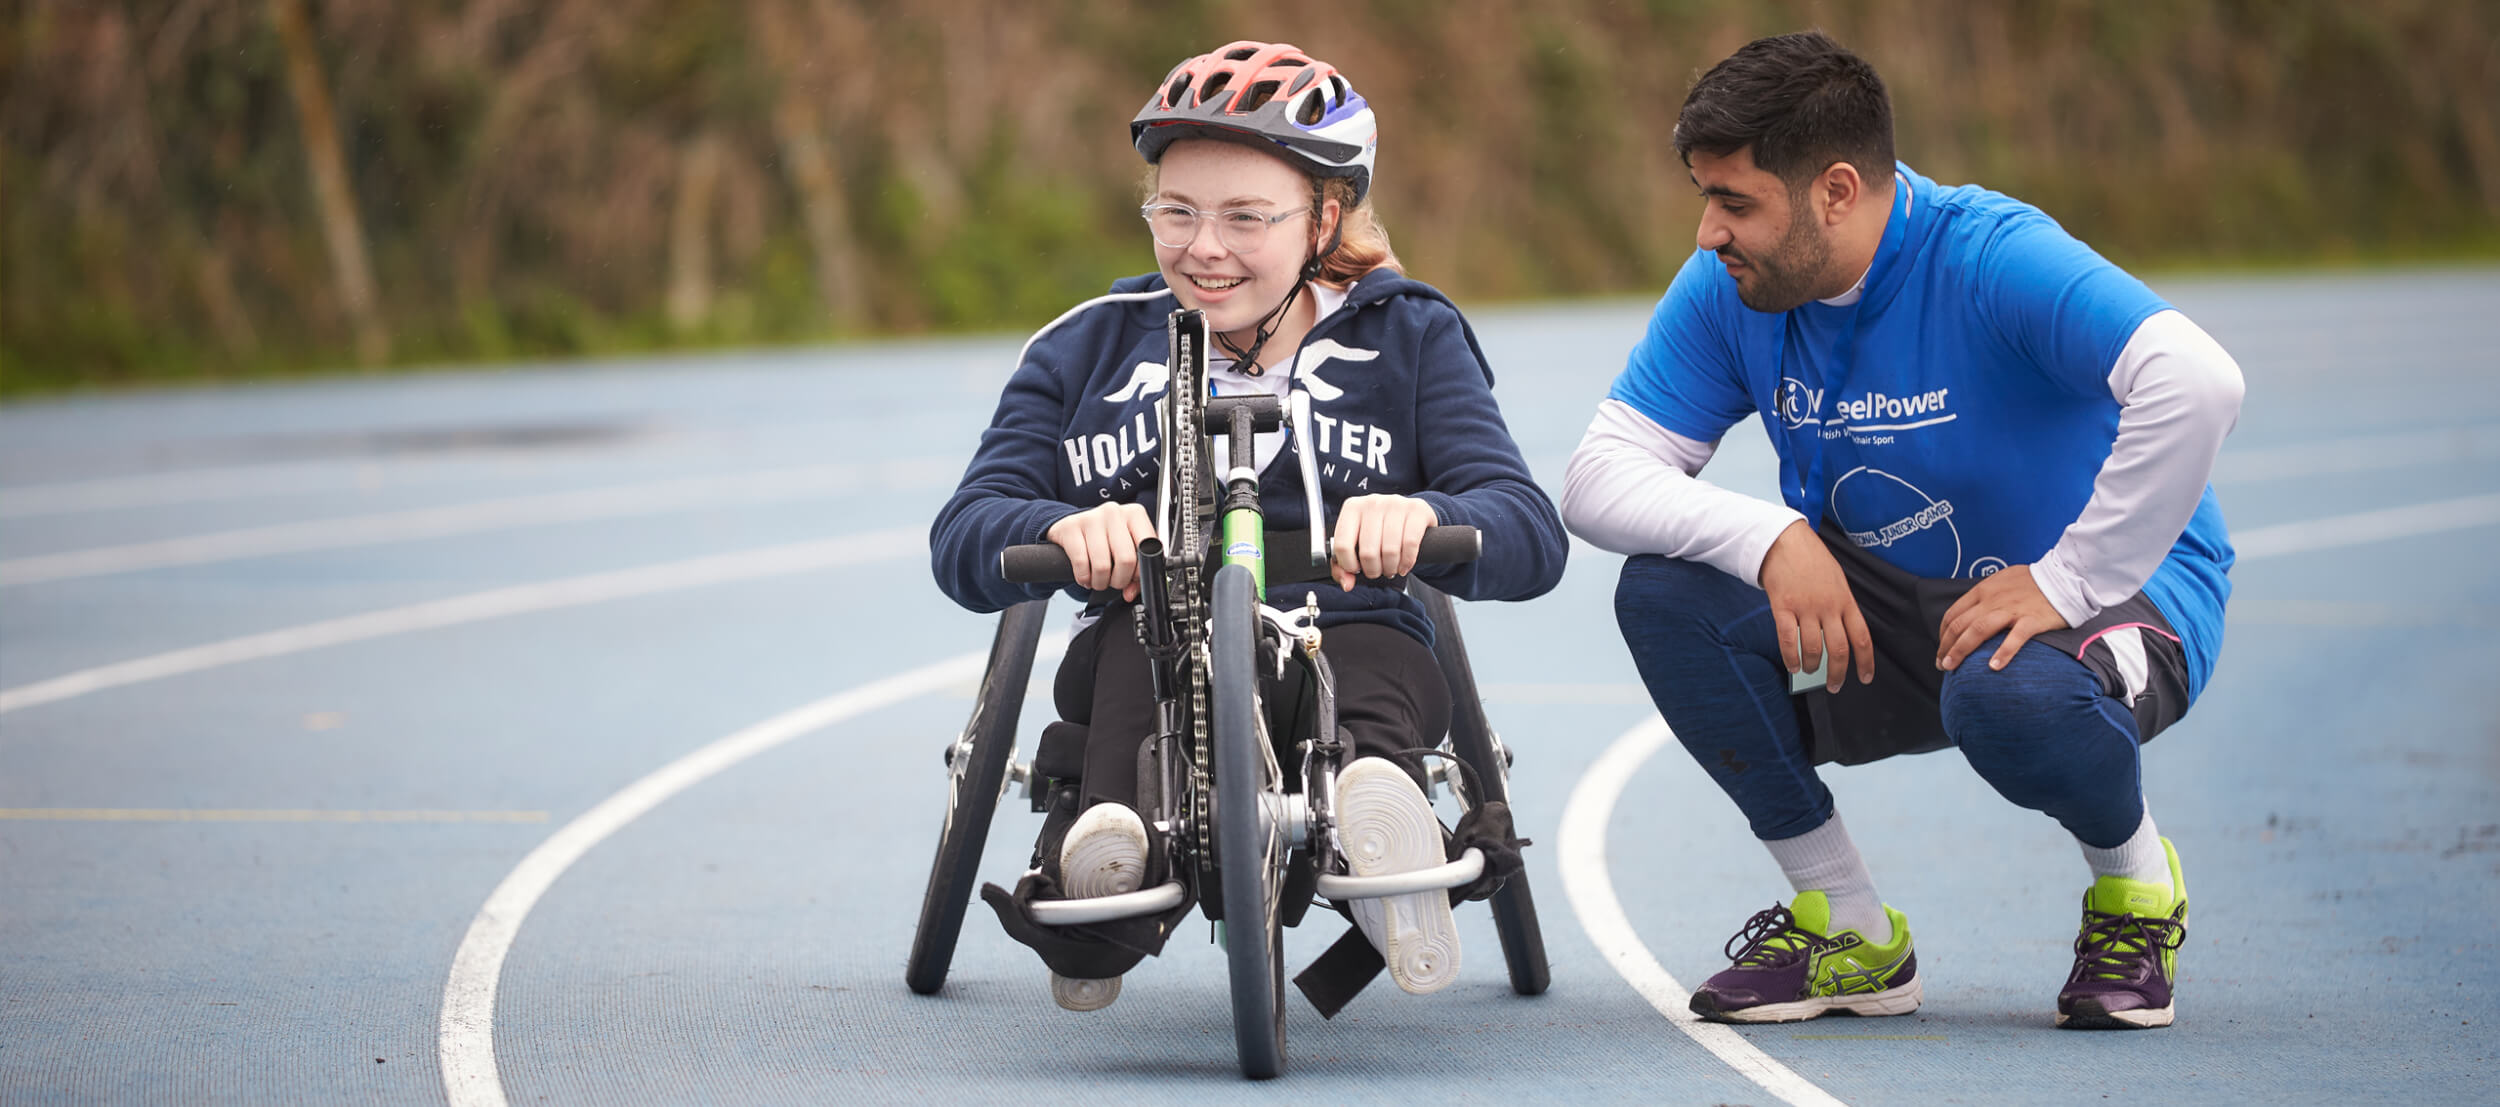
(1449, 546)
(1288, 552)
(1039, 563)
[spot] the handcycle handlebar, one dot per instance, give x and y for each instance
(1046, 563)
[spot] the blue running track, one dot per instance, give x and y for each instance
(571, 734)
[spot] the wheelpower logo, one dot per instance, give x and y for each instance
(1871, 411)
(1799, 405)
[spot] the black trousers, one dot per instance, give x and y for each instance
(1390, 697)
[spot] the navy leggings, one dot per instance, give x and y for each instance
(2040, 731)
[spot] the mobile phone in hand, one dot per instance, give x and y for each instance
(1813, 679)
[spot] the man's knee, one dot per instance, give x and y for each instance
(2007, 715)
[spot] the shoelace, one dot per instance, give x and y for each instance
(2117, 947)
(1770, 938)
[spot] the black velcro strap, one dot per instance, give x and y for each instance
(1092, 952)
(1487, 828)
(1341, 973)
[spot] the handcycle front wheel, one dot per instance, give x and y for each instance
(976, 772)
(1249, 845)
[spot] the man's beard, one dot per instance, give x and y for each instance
(1785, 278)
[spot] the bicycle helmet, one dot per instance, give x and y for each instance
(1267, 95)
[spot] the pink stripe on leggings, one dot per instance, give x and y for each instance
(2096, 636)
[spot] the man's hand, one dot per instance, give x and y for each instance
(2009, 601)
(1377, 537)
(1102, 545)
(1812, 607)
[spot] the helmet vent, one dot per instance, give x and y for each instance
(1180, 88)
(1337, 85)
(1312, 110)
(1214, 86)
(1259, 95)
(1243, 54)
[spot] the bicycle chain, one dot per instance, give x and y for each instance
(1188, 443)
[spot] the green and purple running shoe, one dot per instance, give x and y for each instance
(1789, 966)
(2126, 953)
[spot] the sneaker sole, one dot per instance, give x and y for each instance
(2089, 1016)
(1388, 827)
(1104, 854)
(1083, 995)
(1891, 1001)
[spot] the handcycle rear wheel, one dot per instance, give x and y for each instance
(976, 776)
(1471, 738)
(1250, 845)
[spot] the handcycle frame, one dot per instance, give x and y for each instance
(1222, 799)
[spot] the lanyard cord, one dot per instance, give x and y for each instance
(1812, 492)
(1268, 324)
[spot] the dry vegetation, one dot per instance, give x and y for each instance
(220, 187)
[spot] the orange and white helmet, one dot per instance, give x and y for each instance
(1253, 91)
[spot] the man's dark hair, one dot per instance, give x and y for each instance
(1802, 101)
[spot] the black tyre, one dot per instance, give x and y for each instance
(1249, 845)
(1471, 738)
(976, 775)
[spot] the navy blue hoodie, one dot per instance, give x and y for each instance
(1401, 402)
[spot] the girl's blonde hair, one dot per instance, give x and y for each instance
(1362, 243)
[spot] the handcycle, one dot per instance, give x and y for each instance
(1240, 838)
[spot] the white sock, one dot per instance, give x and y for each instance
(1825, 860)
(2140, 857)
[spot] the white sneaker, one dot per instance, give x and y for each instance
(1104, 854)
(1388, 827)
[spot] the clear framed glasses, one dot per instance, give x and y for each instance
(1241, 230)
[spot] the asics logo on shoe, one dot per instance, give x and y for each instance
(1867, 981)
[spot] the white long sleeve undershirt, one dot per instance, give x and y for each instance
(2178, 393)
(1632, 486)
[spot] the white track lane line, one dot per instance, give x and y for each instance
(2369, 526)
(620, 501)
(770, 561)
(1590, 887)
(159, 489)
(1591, 890)
(2362, 454)
(467, 1032)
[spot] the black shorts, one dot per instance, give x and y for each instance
(1390, 697)
(2130, 647)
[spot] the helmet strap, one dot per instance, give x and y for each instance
(1248, 360)
(1336, 237)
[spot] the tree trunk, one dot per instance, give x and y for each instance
(332, 192)
(805, 155)
(690, 234)
(809, 159)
